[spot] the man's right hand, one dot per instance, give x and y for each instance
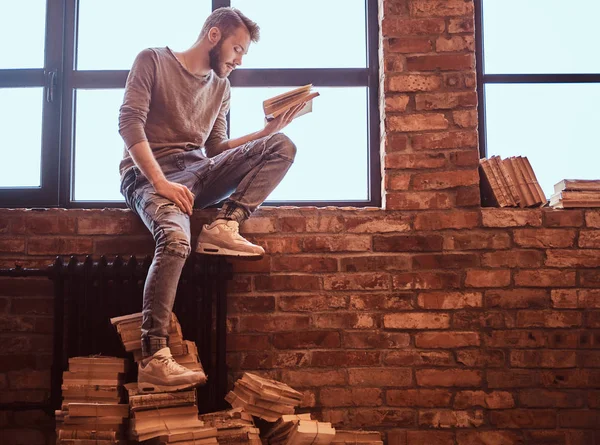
(179, 194)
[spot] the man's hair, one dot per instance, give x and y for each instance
(228, 20)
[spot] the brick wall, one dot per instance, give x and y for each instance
(433, 320)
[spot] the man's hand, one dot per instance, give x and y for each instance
(179, 194)
(282, 120)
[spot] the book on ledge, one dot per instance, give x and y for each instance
(279, 104)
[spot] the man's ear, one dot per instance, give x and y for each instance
(214, 35)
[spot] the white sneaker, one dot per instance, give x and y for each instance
(161, 373)
(223, 237)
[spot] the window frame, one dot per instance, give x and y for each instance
(60, 125)
(484, 79)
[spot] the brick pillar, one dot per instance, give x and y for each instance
(428, 104)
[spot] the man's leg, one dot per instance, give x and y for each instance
(251, 172)
(170, 228)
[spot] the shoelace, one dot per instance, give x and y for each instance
(173, 366)
(235, 228)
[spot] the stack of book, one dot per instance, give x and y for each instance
(234, 427)
(129, 328)
(169, 417)
(570, 193)
(264, 398)
(509, 182)
(343, 437)
(91, 409)
(297, 429)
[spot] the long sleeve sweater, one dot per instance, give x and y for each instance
(171, 108)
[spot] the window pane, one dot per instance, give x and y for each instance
(545, 36)
(331, 162)
(113, 32)
(98, 145)
(554, 125)
(307, 34)
(21, 130)
(22, 33)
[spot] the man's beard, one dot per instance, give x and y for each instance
(214, 56)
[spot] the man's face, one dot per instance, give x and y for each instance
(227, 54)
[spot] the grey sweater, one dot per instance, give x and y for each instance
(171, 108)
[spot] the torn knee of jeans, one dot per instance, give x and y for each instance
(178, 246)
(168, 207)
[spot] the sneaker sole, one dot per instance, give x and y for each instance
(150, 388)
(211, 249)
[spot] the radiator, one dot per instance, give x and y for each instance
(88, 293)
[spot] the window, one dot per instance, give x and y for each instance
(59, 104)
(540, 84)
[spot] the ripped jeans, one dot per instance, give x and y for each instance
(246, 174)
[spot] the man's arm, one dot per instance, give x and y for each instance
(142, 155)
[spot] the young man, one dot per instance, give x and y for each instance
(175, 105)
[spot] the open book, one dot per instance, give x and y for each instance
(279, 104)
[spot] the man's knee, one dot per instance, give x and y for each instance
(283, 146)
(176, 242)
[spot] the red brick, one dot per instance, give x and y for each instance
(245, 304)
(445, 101)
(419, 358)
(273, 323)
(449, 300)
(32, 306)
(396, 103)
(310, 378)
(523, 418)
(303, 264)
(12, 245)
(377, 377)
(543, 359)
(455, 44)
(59, 246)
(410, 45)
(426, 398)
(448, 377)
(383, 223)
(44, 222)
(564, 298)
(258, 225)
(282, 245)
(445, 261)
(461, 24)
(292, 224)
(256, 266)
(374, 263)
(476, 240)
(306, 340)
(445, 340)
(465, 158)
(109, 222)
(515, 339)
(407, 243)
(240, 342)
(450, 419)
(589, 278)
(443, 62)
(517, 299)
(417, 122)
(367, 281)
(29, 379)
(487, 278)
(545, 278)
(399, 160)
(274, 360)
(488, 438)
(446, 220)
(350, 397)
(418, 201)
(441, 8)
(469, 319)
(121, 245)
(548, 319)
(338, 359)
(312, 303)
(589, 239)
(331, 243)
(541, 398)
(426, 280)
(383, 417)
(397, 181)
(395, 301)
(514, 378)
(239, 283)
(511, 217)
(429, 438)
(490, 400)
(513, 258)
(297, 283)
(459, 80)
(478, 358)
(393, 27)
(375, 340)
(445, 180)
(416, 320)
(592, 219)
(343, 320)
(563, 218)
(544, 238)
(465, 119)
(395, 142)
(445, 140)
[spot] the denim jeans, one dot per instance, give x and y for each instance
(246, 174)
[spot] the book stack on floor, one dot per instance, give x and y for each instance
(234, 427)
(168, 417)
(184, 352)
(572, 193)
(343, 437)
(509, 182)
(298, 429)
(264, 398)
(91, 409)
